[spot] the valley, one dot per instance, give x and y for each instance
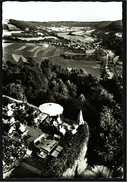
(76, 67)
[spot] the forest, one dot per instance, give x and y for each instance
(100, 101)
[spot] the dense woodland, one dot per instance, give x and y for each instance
(100, 101)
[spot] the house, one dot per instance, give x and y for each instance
(45, 146)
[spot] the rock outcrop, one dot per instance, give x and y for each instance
(80, 164)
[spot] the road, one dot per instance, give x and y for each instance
(110, 54)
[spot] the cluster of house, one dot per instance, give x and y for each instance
(50, 114)
(44, 143)
(63, 28)
(75, 45)
(46, 146)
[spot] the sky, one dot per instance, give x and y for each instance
(62, 11)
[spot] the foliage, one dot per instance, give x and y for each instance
(111, 41)
(70, 152)
(23, 24)
(111, 132)
(99, 54)
(46, 82)
(15, 90)
(106, 143)
(113, 86)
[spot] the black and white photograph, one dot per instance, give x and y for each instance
(63, 91)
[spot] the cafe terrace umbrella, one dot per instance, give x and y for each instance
(51, 109)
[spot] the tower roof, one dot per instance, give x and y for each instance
(80, 118)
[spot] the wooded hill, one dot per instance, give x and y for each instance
(102, 25)
(74, 91)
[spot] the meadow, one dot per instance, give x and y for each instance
(85, 38)
(42, 51)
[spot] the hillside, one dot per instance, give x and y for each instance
(115, 26)
(97, 25)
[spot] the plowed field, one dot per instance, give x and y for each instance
(41, 51)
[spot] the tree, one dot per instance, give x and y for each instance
(111, 134)
(15, 90)
(82, 98)
(72, 88)
(113, 86)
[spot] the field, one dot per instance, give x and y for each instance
(31, 50)
(41, 51)
(85, 39)
(91, 67)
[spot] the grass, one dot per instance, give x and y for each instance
(70, 53)
(57, 52)
(61, 50)
(75, 37)
(7, 44)
(48, 50)
(8, 57)
(39, 52)
(51, 53)
(59, 61)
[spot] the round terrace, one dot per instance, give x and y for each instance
(52, 109)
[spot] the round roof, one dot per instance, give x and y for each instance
(52, 109)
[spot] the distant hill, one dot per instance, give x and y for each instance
(109, 25)
(73, 23)
(115, 26)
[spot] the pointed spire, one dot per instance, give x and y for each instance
(20, 60)
(80, 118)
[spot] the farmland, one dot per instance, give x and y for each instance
(32, 50)
(41, 51)
(85, 38)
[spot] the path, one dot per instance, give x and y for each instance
(20, 101)
(70, 53)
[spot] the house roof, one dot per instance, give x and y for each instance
(49, 145)
(30, 139)
(55, 154)
(59, 148)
